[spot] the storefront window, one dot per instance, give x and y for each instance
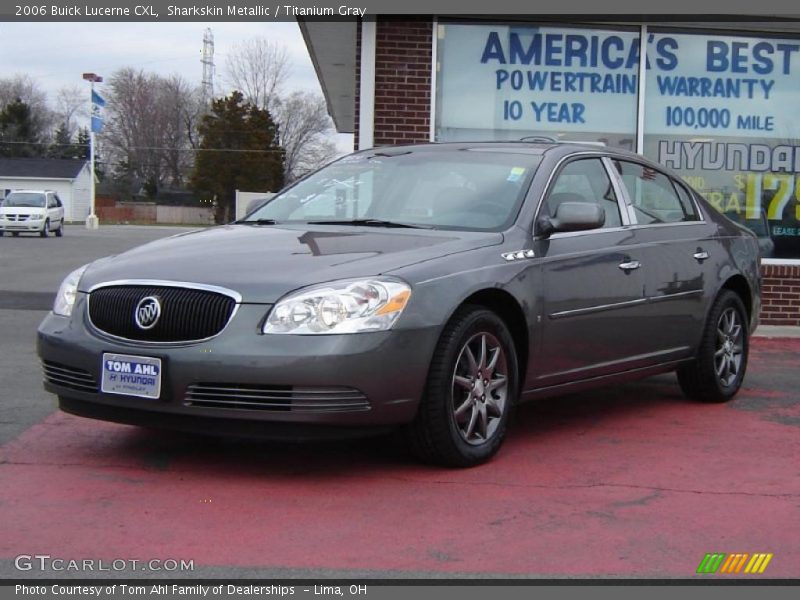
(722, 111)
(506, 82)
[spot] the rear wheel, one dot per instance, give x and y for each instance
(45, 232)
(718, 372)
(470, 393)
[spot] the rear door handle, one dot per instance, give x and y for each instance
(700, 255)
(630, 265)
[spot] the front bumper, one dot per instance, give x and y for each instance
(388, 368)
(23, 226)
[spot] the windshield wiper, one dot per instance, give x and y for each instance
(256, 222)
(371, 223)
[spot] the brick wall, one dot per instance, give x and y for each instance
(402, 81)
(780, 295)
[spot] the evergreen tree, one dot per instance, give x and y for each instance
(62, 144)
(18, 136)
(82, 145)
(238, 150)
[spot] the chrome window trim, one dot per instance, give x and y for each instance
(568, 234)
(235, 296)
(675, 224)
(622, 198)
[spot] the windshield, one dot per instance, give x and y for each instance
(453, 189)
(24, 199)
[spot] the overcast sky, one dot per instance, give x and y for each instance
(57, 54)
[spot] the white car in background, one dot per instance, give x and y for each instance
(32, 211)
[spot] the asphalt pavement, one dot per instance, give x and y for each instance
(632, 481)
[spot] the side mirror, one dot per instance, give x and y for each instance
(573, 216)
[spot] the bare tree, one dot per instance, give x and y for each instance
(71, 104)
(149, 126)
(180, 103)
(304, 129)
(258, 68)
(28, 91)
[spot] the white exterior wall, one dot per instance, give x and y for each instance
(80, 196)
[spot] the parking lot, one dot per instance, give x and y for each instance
(633, 481)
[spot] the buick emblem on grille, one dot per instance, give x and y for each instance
(147, 312)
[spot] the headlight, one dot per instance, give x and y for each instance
(65, 299)
(35, 217)
(349, 306)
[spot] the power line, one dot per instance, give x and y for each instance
(151, 147)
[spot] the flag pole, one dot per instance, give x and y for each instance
(92, 222)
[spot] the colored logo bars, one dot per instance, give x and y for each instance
(734, 563)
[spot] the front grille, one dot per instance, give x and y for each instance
(275, 398)
(69, 377)
(17, 217)
(187, 314)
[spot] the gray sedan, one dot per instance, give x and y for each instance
(431, 288)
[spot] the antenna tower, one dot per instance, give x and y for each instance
(208, 67)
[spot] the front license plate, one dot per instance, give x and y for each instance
(131, 375)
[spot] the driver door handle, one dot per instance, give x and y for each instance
(700, 255)
(630, 265)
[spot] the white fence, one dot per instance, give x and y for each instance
(189, 215)
(245, 199)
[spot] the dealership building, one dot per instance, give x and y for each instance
(716, 102)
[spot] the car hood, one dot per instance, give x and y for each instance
(263, 263)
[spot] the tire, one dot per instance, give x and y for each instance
(461, 423)
(45, 232)
(721, 362)
(15, 233)
(60, 231)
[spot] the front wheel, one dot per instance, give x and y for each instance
(45, 232)
(470, 393)
(60, 231)
(718, 371)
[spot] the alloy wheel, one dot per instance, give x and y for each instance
(480, 388)
(730, 346)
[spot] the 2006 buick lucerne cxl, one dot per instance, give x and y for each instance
(428, 287)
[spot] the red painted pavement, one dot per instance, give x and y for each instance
(633, 481)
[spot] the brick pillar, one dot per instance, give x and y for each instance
(780, 295)
(403, 81)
